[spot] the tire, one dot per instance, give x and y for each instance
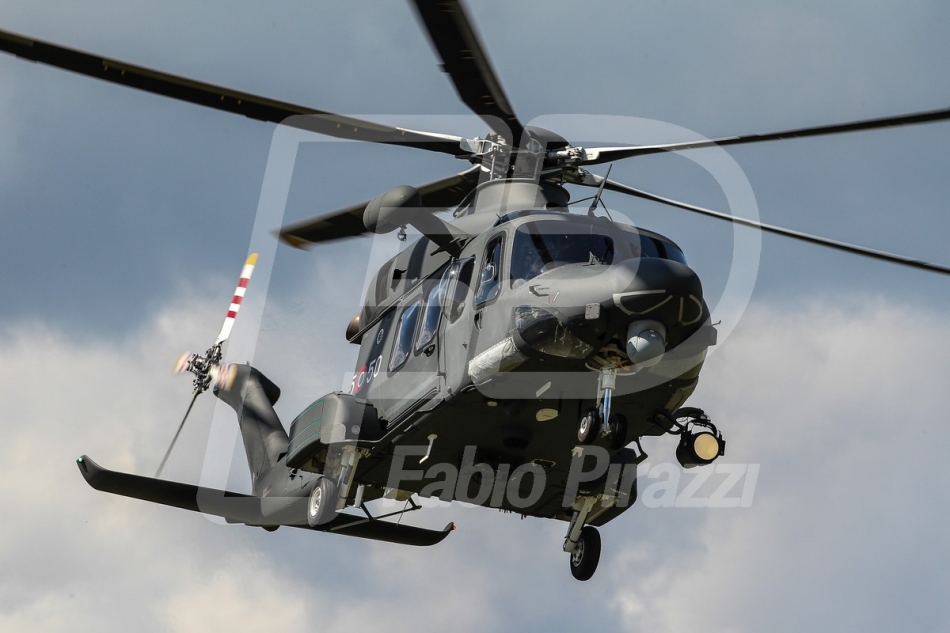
(586, 555)
(321, 507)
(618, 431)
(589, 427)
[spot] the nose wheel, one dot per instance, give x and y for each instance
(598, 421)
(589, 427)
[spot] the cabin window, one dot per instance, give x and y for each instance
(383, 277)
(489, 284)
(546, 245)
(404, 331)
(433, 311)
(461, 279)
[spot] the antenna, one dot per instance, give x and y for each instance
(600, 190)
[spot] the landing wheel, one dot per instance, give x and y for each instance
(322, 505)
(589, 427)
(618, 431)
(586, 554)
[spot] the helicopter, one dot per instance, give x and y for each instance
(540, 337)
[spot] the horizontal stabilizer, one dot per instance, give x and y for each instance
(235, 507)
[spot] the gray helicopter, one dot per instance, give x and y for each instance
(511, 357)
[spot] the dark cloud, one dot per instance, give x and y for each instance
(125, 218)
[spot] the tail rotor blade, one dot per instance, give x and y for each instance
(177, 433)
(223, 377)
(237, 299)
(183, 362)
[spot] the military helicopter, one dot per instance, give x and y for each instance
(512, 357)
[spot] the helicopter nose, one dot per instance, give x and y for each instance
(659, 290)
(659, 304)
(647, 305)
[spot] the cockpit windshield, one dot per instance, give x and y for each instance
(544, 245)
(648, 246)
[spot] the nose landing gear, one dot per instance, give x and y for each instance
(589, 427)
(598, 421)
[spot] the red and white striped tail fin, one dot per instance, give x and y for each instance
(237, 299)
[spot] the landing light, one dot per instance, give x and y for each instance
(706, 446)
(699, 447)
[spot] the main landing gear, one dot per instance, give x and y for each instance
(321, 508)
(582, 541)
(586, 553)
(332, 488)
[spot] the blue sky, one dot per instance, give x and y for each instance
(126, 217)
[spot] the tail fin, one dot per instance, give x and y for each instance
(252, 396)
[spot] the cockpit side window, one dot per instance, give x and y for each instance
(404, 333)
(489, 284)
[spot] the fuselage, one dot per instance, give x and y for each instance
(498, 347)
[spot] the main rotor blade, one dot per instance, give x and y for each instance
(598, 155)
(220, 98)
(464, 59)
(177, 433)
(593, 181)
(348, 222)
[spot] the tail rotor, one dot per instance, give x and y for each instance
(207, 367)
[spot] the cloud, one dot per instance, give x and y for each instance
(840, 407)
(67, 549)
(839, 404)
(81, 560)
(835, 405)
(241, 597)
